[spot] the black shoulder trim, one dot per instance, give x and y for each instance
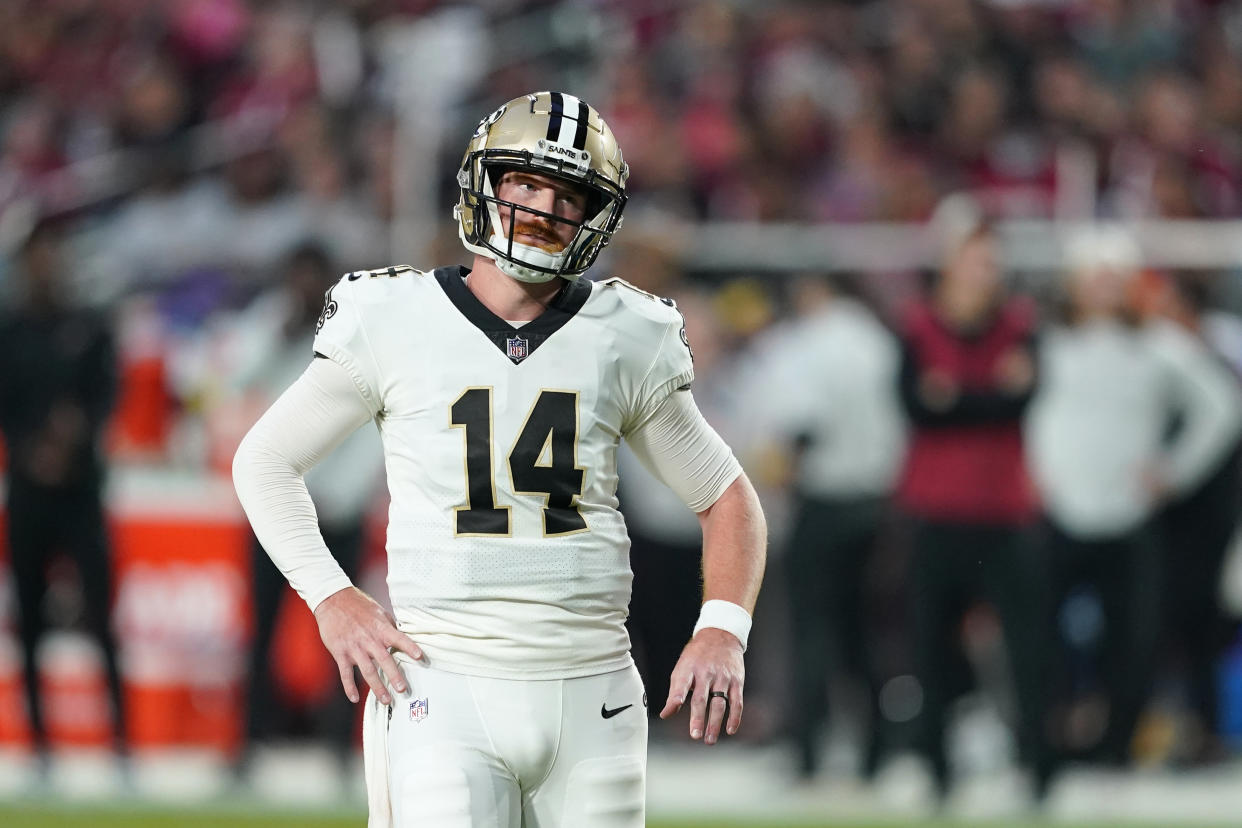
(391, 272)
(515, 343)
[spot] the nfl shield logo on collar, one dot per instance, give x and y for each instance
(418, 710)
(517, 348)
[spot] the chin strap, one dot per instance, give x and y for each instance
(525, 274)
(524, 255)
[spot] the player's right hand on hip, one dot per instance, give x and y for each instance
(358, 632)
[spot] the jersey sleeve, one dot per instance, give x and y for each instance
(341, 336)
(685, 453)
(671, 367)
(305, 424)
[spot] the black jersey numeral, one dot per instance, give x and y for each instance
(480, 516)
(542, 463)
(544, 460)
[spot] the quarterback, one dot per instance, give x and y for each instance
(502, 691)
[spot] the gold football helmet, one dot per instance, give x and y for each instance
(549, 133)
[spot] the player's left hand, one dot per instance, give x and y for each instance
(712, 661)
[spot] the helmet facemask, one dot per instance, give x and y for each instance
(524, 262)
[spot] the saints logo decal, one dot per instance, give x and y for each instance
(329, 309)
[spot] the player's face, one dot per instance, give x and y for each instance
(547, 195)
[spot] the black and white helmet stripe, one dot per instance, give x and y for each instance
(568, 123)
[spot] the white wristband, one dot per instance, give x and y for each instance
(727, 616)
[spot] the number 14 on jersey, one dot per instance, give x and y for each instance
(542, 463)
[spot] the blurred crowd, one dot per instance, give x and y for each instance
(197, 172)
(1025, 501)
(841, 111)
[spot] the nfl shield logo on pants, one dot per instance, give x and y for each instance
(418, 710)
(518, 348)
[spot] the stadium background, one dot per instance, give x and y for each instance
(186, 147)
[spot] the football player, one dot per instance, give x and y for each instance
(502, 691)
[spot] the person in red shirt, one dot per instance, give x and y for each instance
(968, 373)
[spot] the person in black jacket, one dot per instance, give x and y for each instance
(57, 384)
(1197, 529)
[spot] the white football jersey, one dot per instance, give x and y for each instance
(507, 555)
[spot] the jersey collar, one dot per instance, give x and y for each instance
(515, 343)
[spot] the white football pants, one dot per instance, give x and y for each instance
(457, 751)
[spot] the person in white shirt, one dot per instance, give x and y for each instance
(1099, 455)
(833, 405)
(508, 697)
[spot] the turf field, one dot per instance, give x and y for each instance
(28, 816)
